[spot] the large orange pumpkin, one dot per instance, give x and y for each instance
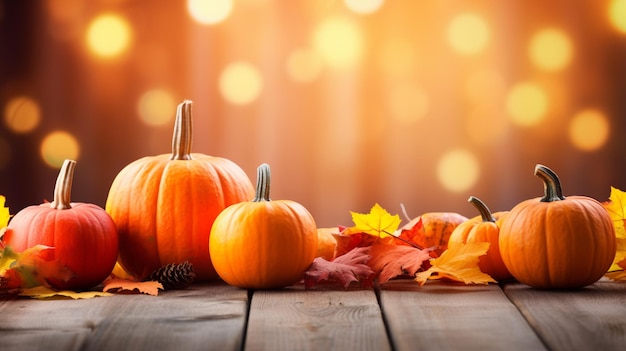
(557, 242)
(263, 243)
(164, 206)
(83, 235)
(483, 228)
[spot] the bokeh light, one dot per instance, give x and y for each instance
(339, 42)
(108, 35)
(58, 146)
(458, 170)
(304, 65)
(485, 88)
(486, 127)
(468, 34)
(617, 15)
(589, 130)
(364, 6)
(397, 57)
(155, 107)
(408, 103)
(527, 104)
(551, 49)
(22, 114)
(208, 12)
(240, 83)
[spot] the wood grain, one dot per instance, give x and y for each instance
(592, 318)
(444, 316)
(200, 317)
(294, 319)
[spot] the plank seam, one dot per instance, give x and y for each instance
(377, 291)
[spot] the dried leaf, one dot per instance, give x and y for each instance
(132, 287)
(459, 263)
(42, 292)
(411, 231)
(343, 270)
(616, 207)
(378, 222)
(31, 267)
(4, 213)
(390, 261)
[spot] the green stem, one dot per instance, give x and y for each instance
(63, 186)
(181, 141)
(262, 183)
(551, 184)
(482, 209)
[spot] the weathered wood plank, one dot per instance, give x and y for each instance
(206, 317)
(442, 316)
(592, 318)
(293, 318)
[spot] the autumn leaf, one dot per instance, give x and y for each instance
(132, 287)
(30, 268)
(390, 261)
(459, 263)
(343, 270)
(378, 222)
(4, 213)
(42, 292)
(616, 207)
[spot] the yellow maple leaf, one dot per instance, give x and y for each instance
(616, 207)
(378, 222)
(42, 292)
(5, 215)
(459, 263)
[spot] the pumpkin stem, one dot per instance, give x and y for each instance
(262, 183)
(482, 208)
(551, 184)
(181, 141)
(63, 186)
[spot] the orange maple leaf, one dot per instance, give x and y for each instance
(132, 287)
(390, 261)
(343, 270)
(459, 263)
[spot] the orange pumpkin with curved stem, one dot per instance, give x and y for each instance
(164, 206)
(483, 228)
(83, 235)
(557, 242)
(263, 243)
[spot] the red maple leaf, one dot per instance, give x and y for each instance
(343, 270)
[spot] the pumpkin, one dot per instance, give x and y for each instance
(436, 230)
(83, 235)
(164, 205)
(263, 243)
(557, 242)
(327, 243)
(483, 228)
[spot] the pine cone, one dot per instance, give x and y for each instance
(174, 276)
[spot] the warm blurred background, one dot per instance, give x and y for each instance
(351, 102)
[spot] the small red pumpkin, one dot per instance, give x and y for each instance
(164, 205)
(483, 228)
(557, 242)
(83, 235)
(263, 244)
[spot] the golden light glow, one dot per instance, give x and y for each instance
(485, 87)
(458, 170)
(339, 42)
(408, 103)
(398, 57)
(364, 6)
(468, 34)
(5, 153)
(617, 15)
(304, 65)
(208, 12)
(108, 35)
(589, 130)
(240, 83)
(58, 146)
(551, 49)
(526, 104)
(22, 114)
(155, 107)
(486, 127)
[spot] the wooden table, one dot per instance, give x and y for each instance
(400, 316)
